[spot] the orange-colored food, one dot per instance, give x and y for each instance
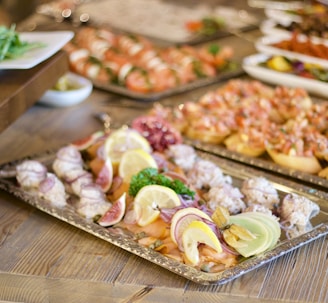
(250, 118)
(132, 61)
(306, 47)
(96, 165)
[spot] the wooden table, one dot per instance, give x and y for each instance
(45, 260)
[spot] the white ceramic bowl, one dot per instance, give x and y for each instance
(70, 97)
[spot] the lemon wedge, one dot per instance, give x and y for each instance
(150, 199)
(279, 63)
(133, 161)
(198, 232)
(122, 140)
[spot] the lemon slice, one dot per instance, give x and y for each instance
(133, 161)
(150, 199)
(122, 140)
(198, 232)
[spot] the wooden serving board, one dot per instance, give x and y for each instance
(20, 89)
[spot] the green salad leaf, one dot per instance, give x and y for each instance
(11, 46)
(151, 176)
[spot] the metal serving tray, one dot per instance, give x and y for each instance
(124, 240)
(201, 82)
(263, 162)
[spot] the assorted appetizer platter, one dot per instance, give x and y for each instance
(298, 13)
(280, 128)
(280, 70)
(205, 218)
(273, 28)
(134, 66)
(295, 46)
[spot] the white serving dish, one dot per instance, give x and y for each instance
(263, 45)
(70, 97)
(53, 42)
(269, 27)
(252, 68)
(281, 15)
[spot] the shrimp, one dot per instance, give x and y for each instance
(215, 55)
(133, 44)
(138, 80)
(82, 63)
(97, 41)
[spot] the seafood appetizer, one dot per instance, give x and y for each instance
(311, 22)
(255, 120)
(304, 46)
(296, 67)
(135, 63)
(146, 181)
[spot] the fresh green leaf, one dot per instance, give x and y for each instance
(213, 49)
(151, 176)
(11, 45)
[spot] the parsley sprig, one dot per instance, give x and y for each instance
(151, 176)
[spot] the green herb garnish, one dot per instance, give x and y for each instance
(11, 46)
(151, 176)
(214, 49)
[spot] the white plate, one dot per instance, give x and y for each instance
(71, 97)
(251, 67)
(269, 27)
(281, 15)
(53, 41)
(263, 45)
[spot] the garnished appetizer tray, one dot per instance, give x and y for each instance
(118, 236)
(293, 46)
(263, 162)
(134, 66)
(297, 12)
(271, 27)
(279, 70)
(280, 129)
(153, 96)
